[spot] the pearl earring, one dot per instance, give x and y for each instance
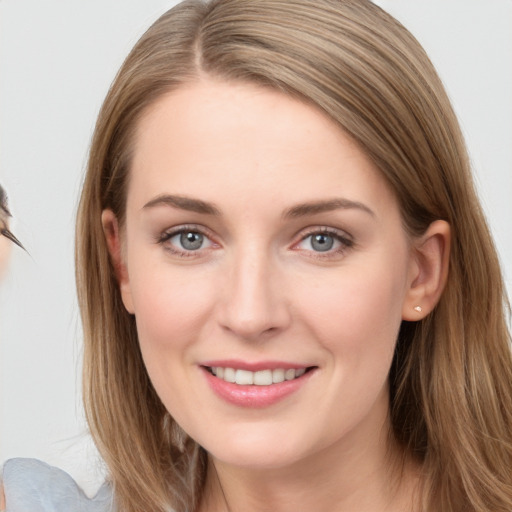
(419, 309)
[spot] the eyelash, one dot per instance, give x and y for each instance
(345, 241)
(166, 236)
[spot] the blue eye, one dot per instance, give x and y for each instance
(185, 241)
(321, 242)
(190, 240)
(328, 242)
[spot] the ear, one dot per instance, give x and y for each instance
(429, 271)
(115, 249)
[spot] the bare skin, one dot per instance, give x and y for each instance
(384, 488)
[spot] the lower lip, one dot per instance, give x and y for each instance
(255, 396)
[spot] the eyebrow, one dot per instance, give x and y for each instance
(184, 203)
(300, 210)
(315, 207)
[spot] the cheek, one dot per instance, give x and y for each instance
(357, 312)
(172, 311)
(170, 307)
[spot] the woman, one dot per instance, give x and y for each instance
(289, 294)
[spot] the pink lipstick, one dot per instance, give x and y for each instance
(255, 385)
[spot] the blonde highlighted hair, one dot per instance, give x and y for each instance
(451, 378)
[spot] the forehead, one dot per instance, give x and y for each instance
(209, 134)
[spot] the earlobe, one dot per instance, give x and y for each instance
(113, 238)
(429, 271)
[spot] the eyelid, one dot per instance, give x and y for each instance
(199, 228)
(344, 238)
(164, 236)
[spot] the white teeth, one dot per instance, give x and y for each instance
(244, 377)
(229, 375)
(277, 375)
(289, 374)
(263, 378)
(259, 378)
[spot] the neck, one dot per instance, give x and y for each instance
(372, 478)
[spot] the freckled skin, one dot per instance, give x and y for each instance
(257, 289)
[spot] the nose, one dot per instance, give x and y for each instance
(254, 304)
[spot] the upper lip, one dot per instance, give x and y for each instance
(254, 366)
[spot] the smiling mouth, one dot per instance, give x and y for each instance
(258, 378)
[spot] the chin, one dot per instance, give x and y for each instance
(253, 461)
(258, 452)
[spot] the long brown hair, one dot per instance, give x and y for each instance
(451, 378)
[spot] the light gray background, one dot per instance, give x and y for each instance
(57, 58)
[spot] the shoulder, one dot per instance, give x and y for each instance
(31, 484)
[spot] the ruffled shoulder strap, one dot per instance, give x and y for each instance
(31, 485)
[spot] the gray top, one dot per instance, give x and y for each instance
(33, 486)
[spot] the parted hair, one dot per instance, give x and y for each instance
(451, 377)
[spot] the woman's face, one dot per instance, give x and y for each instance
(263, 246)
